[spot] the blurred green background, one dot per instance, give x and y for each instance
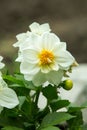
(67, 18)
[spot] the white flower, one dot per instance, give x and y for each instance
(8, 97)
(45, 60)
(24, 38)
(1, 64)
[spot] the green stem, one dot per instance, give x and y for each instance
(37, 96)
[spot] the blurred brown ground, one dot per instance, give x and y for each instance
(67, 18)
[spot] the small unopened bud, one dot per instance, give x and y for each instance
(67, 84)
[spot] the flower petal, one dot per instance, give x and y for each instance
(27, 68)
(39, 29)
(32, 40)
(20, 37)
(1, 64)
(34, 27)
(45, 69)
(65, 59)
(45, 28)
(28, 77)
(39, 79)
(59, 47)
(8, 98)
(55, 66)
(20, 57)
(2, 83)
(42, 102)
(54, 77)
(49, 40)
(48, 68)
(30, 56)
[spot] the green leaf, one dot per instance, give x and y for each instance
(30, 110)
(30, 85)
(77, 122)
(84, 127)
(13, 79)
(11, 128)
(22, 91)
(55, 118)
(51, 128)
(57, 104)
(74, 109)
(21, 100)
(18, 81)
(5, 121)
(50, 92)
(19, 76)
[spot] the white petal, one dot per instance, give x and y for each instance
(62, 46)
(2, 83)
(39, 79)
(46, 84)
(45, 69)
(42, 102)
(20, 57)
(34, 27)
(21, 36)
(30, 56)
(55, 66)
(45, 28)
(8, 98)
(32, 40)
(28, 77)
(49, 40)
(48, 68)
(17, 44)
(65, 59)
(59, 47)
(39, 29)
(0, 76)
(1, 64)
(54, 77)
(32, 92)
(27, 68)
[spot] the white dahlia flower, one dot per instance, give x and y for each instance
(45, 60)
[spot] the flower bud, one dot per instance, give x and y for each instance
(67, 84)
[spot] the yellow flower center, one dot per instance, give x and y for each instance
(46, 57)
